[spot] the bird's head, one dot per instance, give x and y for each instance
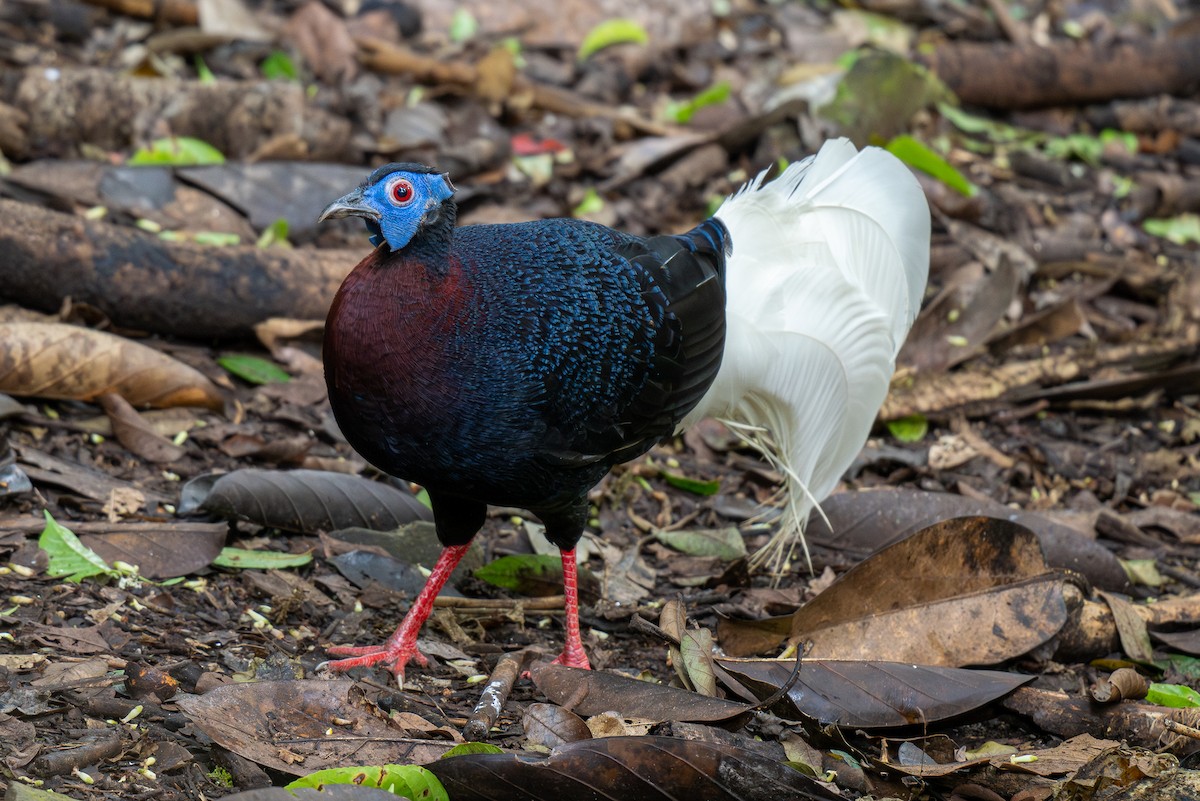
(396, 202)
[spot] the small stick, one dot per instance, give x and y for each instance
(549, 603)
(59, 763)
(499, 685)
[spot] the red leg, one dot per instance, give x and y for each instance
(573, 654)
(402, 645)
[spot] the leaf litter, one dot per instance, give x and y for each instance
(1057, 386)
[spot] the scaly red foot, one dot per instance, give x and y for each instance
(402, 645)
(394, 655)
(572, 654)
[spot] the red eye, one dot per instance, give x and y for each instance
(401, 192)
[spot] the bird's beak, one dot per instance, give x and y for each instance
(351, 205)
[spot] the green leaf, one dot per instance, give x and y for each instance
(216, 238)
(527, 573)
(70, 558)
(591, 204)
(463, 25)
(916, 154)
(612, 32)
(725, 543)
(1177, 696)
(410, 781)
(253, 369)
(260, 560)
(279, 65)
(972, 124)
(683, 111)
(1143, 572)
(1180, 230)
(177, 151)
(203, 74)
(909, 429)
(693, 485)
(470, 749)
(1187, 666)
(423, 497)
(274, 234)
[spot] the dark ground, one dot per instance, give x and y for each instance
(1055, 363)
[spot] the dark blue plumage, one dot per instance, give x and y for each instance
(513, 364)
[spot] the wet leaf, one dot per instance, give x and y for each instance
(260, 560)
(649, 768)
(70, 559)
(177, 151)
(612, 32)
(66, 362)
(724, 543)
(526, 573)
(966, 591)
(253, 369)
(410, 781)
(302, 500)
(875, 694)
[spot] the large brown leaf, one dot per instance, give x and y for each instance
(966, 591)
(303, 726)
(590, 692)
(863, 522)
(643, 768)
(875, 694)
(66, 362)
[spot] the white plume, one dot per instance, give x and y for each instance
(827, 273)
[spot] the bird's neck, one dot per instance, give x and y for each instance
(431, 245)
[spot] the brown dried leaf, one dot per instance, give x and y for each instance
(135, 434)
(66, 362)
(864, 522)
(161, 550)
(966, 591)
(324, 42)
(301, 726)
(551, 726)
(590, 692)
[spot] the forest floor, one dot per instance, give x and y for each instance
(1035, 472)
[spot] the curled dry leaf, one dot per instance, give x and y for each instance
(66, 362)
(135, 434)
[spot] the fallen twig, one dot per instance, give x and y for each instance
(495, 693)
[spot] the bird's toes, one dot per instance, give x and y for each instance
(572, 657)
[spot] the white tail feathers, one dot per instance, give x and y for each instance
(827, 273)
